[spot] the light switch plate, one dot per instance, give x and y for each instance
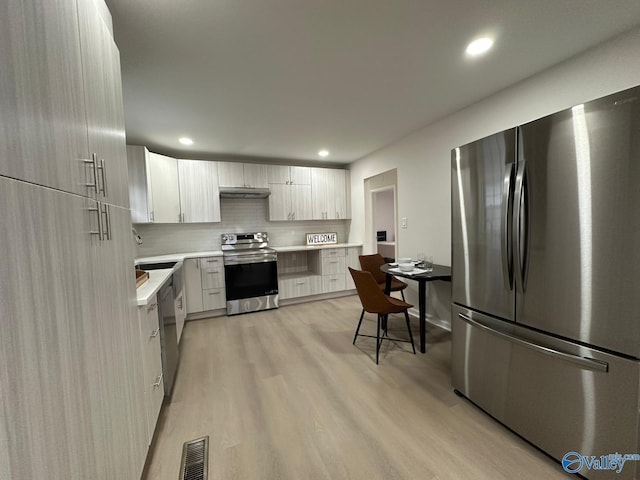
(403, 222)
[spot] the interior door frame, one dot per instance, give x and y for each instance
(384, 181)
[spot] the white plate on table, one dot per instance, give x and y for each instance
(415, 271)
(395, 264)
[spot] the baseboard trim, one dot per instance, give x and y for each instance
(430, 319)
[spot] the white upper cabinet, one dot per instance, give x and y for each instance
(301, 202)
(230, 174)
(199, 193)
(329, 188)
(104, 110)
(289, 202)
(167, 190)
(255, 175)
(41, 95)
(163, 192)
(290, 197)
(288, 175)
(234, 174)
(138, 185)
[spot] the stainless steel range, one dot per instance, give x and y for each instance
(250, 272)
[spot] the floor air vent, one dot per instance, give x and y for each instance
(195, 459)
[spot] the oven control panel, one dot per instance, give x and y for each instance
(244, 238)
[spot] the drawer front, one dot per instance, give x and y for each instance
(211, 262)
(212, 277)
(334, 266)
(214, 298)
(299, 287)
(332, 252)
(333, 283)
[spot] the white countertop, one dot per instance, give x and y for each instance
(300, 248)
(177, 257)
(147, 291)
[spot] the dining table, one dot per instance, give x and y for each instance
(422, 276)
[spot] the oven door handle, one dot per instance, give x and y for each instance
(245, 259)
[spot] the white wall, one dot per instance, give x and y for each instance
(423, 159)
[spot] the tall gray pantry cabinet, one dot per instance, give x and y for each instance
(71, 399)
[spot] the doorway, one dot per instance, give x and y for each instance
(381, 214)
(383, 205)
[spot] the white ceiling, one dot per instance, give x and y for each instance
(284, 78)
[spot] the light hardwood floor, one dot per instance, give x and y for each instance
(285, 395)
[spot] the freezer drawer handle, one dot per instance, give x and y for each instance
(585, 362)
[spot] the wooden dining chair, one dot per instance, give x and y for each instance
(372, 264)
(374, 300)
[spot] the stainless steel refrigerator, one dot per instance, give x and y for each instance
(546, 281)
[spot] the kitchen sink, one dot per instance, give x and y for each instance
(155, 266)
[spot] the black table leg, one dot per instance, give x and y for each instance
(422, 305)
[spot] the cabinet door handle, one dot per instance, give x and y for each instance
(98, 210)
(214, 293)
(106, 232)
(215, 260)
(151, 216)
(158, 381)
(103, 176)
(337, 214)
(213, 272)
(94, 165)
(155, 333)
(300, 283)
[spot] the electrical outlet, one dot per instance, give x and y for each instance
(403, 222)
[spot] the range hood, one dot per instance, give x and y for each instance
(244, 192)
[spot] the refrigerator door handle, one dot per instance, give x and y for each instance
(520, 227)
(588, 363)
(507, 227)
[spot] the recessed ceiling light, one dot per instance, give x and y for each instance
(323, 153)
(185, 141)
(479, 46)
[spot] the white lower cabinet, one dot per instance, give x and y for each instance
(315, 271)
(352, 260)
(193, 285)
(299, 286)
(75, 408)
(333, 269)
(212, 269)
(151, 364)
(214, 298)
(204, 284)
(333, 283)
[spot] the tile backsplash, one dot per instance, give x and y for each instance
(238, 215)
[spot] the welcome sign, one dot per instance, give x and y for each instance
(327, 238)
